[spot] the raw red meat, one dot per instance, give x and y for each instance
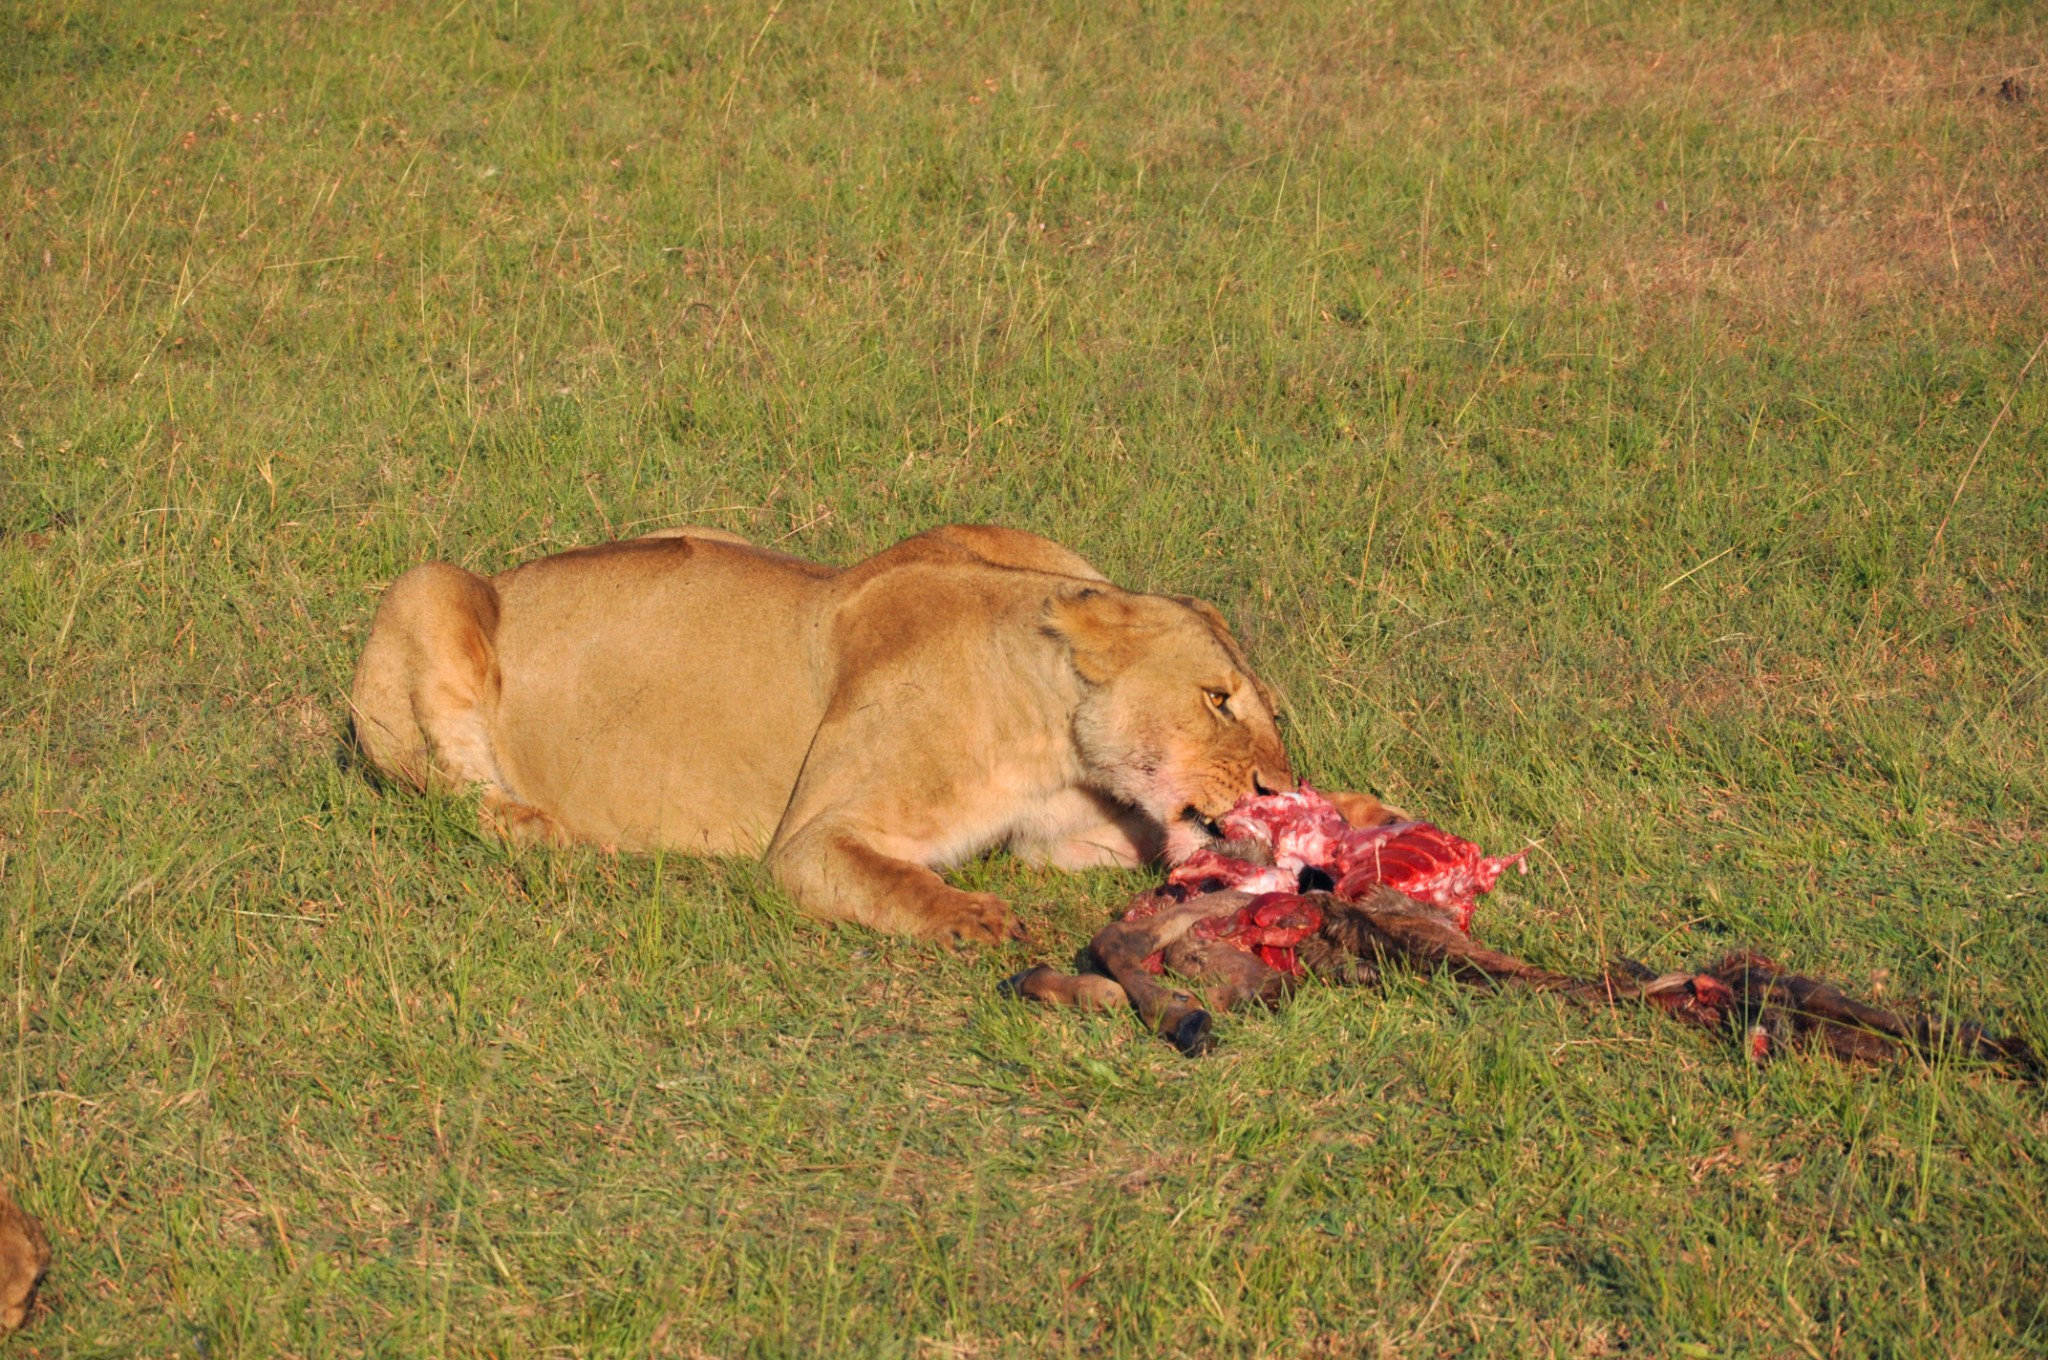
(1304, 834)
(1205, 871)
(1425, 862)
(1301, 829)
(1270, 926)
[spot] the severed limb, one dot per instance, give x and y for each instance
(1178, 1016)
(1743, 993)
(1780, 1008)
(1390, 927)
(1085, 991)
(1229, 977)
(1123, 946)
(1385, 927)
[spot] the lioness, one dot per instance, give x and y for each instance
(967, 688)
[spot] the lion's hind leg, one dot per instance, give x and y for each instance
(424, 689)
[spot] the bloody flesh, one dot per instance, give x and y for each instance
(1310, 844)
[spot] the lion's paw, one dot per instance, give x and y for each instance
(520, 824)
(1362, 809)
(973, 918)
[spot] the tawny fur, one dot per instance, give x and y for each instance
(24, 1258)
(865, 727)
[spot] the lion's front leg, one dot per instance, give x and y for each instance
(833, 871)
(882, 800)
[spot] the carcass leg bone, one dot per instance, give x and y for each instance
(1177, 1016)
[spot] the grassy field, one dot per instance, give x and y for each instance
(1606, 425)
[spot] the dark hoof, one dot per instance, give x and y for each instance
(1193, 1033)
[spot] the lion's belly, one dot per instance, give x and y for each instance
(658, 709)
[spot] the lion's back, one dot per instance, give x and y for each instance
(665, 691)
(661, 691)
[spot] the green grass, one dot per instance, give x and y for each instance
(1587, 419)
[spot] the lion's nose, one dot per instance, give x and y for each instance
(1272, 777)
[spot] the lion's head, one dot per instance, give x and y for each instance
(1171, 720)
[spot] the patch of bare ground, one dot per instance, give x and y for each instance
(1752, 172)
(1839, 192)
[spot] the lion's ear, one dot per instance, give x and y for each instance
(1099, 626)
(1211, 615)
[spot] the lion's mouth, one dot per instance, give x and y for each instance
(1206, 825)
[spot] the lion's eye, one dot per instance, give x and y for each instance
(1219, 700)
